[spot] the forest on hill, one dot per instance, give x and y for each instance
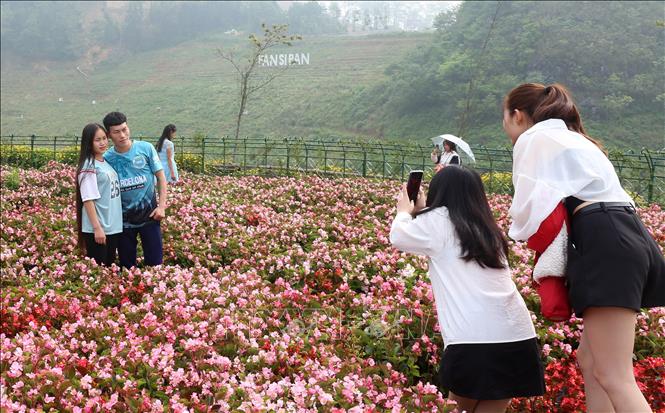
(67, 63)
(611, 55)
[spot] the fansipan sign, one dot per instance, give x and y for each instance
(283, 59)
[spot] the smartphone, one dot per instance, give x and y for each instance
(413, 185)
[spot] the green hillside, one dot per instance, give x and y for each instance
(611, 55)
(191, 86)
(392, 86)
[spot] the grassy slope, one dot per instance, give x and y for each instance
(191, 86)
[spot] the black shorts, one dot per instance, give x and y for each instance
(104, 254)
(493, 371)
(613, 261)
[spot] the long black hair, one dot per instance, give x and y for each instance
(461, 190)
(85, 154)
(166, 134)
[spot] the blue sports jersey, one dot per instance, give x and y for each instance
(136, 170)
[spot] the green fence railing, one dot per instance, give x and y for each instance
(642, 172)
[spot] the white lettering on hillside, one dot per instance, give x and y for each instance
(283, 59)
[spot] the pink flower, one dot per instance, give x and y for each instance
(15, 370)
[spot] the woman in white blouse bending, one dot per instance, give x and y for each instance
(491, 352)
(449, 156)
(614, 266)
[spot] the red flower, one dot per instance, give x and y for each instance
(82, 366)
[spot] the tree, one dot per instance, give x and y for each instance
(249, 81)
(311, 18)
(335, 11)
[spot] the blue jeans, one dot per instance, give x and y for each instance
(151, 240)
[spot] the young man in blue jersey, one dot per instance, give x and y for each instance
(137, 164)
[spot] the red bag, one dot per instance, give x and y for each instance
(554, 304)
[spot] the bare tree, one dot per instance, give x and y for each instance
(249, 80)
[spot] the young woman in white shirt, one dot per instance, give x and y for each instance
(449, 156)
(491, 352)
(98, 204)
(614, 266)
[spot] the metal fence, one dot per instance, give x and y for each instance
(641, 172)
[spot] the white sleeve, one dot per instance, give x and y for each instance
(411, 235)
(532, 202)
(545, 171)
(88, 184)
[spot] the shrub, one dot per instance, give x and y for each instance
(191, 163)
(498, 182)
(12, 180)
(24, 156)
(68, 155)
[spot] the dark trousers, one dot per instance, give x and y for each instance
(151, 241)
(103, 254)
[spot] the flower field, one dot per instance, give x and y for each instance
(277, 294)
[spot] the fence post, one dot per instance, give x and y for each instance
(11, 143)
(203, 154)
(652, 174)
(265, 148)
(490, 160)
(383, 167)
(344, 160)
(422, 156)
(224, 150)
(288, 154)
(32, 150)
(244, 155)
(55, 140)
(364, 162)
(182, 150)
(306, 156)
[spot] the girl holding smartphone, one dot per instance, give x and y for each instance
(491, 352)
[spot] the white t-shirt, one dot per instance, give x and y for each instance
(473, 304)
(551, 163)
(447, 157)
(98, 182)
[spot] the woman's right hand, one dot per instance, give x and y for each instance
(100, 237)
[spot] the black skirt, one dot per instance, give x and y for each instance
(613, 261)
(493, 371)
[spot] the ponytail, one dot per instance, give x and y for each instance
(542, 102)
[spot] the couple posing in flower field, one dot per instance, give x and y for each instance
(591, 249)
(115, 193)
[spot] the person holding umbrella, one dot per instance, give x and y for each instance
(449, 155)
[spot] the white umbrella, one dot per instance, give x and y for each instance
(438, 140)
